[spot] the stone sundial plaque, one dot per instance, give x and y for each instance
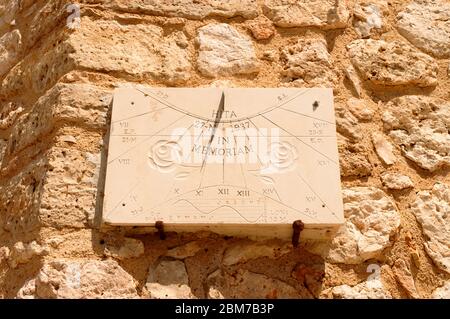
(242, 162)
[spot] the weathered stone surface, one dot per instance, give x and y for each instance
(432, 211)
(347, 124)
(189, 9)
(368, 16)
(22, 253)
(20, 199)
(169, 280)
(371, 218)
(81, 279)
(169, 272)
(69, 194)
(361, 109)
(392, 63)
(370, 289)
(65, 103)
(383, 148)
(396, 181)
(102, 46)
(308, 63)
(10, 49)
(176, 66)
(261, 28)
(9, 114)
(184, 251)
(158, 291)
(246, 284)
(351, 74)
(353, 161)
(124, 248)
(8, 10)
(426, 24)
(224, 51)
(327, 14)
(420, 126)
(442, 292)
(403, 274)
(243, 252)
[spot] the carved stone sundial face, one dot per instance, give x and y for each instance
(233, 161)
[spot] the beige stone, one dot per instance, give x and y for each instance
(86, 279)
(224, 51)
(242, 252)
(185, 251)
(432, 211)
(352, 75)
(246, 284)
(403, 274)
(347, 124)
(362, 109)
(368, 18)
(10, 49)
(442, 292)
(8, 115)
(189, 9)
(392, 63)
(371, 219)
(426, 24)
(261, 28)
(168, 280)
(125, 248)
(308, 63)
(396, 181)
(327, 14)
(371, 289)
(383, 148)
(21, 253)
(420, 125)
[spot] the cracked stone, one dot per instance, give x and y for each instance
(371, 219)
(420, 126)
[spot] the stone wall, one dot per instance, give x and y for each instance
(388, 63)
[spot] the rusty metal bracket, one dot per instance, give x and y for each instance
(297, 226)
(159, 225)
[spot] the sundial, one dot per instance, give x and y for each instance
(236, 161)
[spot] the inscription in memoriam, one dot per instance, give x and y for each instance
(233, 161)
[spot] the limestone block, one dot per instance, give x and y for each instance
(442, 292)
(396, 181)
(327, 14)
(432, 211)
(420, 126)
(368, 18)
(384, 148)
(371, 289)
(124, 248)
(426, 24)
(243, 252)
(19, 199)
(224, 51)
(65, 103)
(392, 63)
(189, 9)
(70, 190)
(308, 63)
(21, 253)
(10, 50)
(246, 284)
(87, 279)
(371, 218)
